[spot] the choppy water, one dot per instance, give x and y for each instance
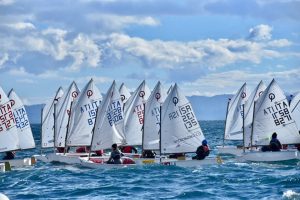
(231, 180)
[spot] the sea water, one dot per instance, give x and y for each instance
(231, 180)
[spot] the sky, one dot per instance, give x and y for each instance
(207, 47)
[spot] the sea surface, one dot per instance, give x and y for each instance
(231, 180)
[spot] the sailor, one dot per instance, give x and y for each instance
(275, 144)
(202, 151)
(9, 155)
(83, 149)
(115, 155)
(128, 149)
(148, 154)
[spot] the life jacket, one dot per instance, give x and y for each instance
(127, 149)
(80, 150)
(99, 152)
(126, 160)
(206, 150)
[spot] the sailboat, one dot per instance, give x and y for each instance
(134, 115)
(295, 108)
(180, 130)
(271, 113)
(60, 111)
(234, 121)
(47, 122)
(80, 123)
(108, 129)
(15, 131)
(152, 118)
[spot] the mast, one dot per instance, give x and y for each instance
(244, 127)
(42, 129)
(93, 131)
(226, 120)
(160, 133)
(251, 140)
(68, 127)
(143, 128)
(54, 124)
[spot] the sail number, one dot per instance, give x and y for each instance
(7, 119)
(280, 113)
(114, 113)
(21, 118)
(187, 115)
(139, 110)
(91, 108)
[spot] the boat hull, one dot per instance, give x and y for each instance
(18, 163)
(85, 162)
(231, 150)
(270, 156)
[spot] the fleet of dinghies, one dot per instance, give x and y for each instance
(15, 131)
(159, 121)
(266, 111)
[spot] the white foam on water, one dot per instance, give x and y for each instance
(3, 197)
(290, 194)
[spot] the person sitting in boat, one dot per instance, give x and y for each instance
(62, 149)
(9, 155)
(275, 144)
(99, 152)
(148, 154)
(128, 149)
(115, 155)
(202, 151)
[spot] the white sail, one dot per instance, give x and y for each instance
(234, 118)
(9, 139)
(272, 114)
(62, 112)
(26, 140)
(124, 93)
(83, 116)
(295, 108)
(47, 136)
(109, 124)
(180, 130)
(248, 112)
(134, 115)
(152, 118)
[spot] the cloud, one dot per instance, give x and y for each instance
(260, 32)
(230, 81)
(6, 2)
(3, 59)
(21, 26)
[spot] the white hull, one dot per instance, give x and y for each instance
(232, 150)
(102, 165)
(68, 158)
(18, 163)
(269, 156)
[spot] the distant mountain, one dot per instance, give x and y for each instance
(210, 108)
(206, 108)
(34, 113)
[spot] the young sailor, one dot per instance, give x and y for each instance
(115, 156)
(275, 144)
(202, 151)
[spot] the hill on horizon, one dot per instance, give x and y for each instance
(205, 108)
